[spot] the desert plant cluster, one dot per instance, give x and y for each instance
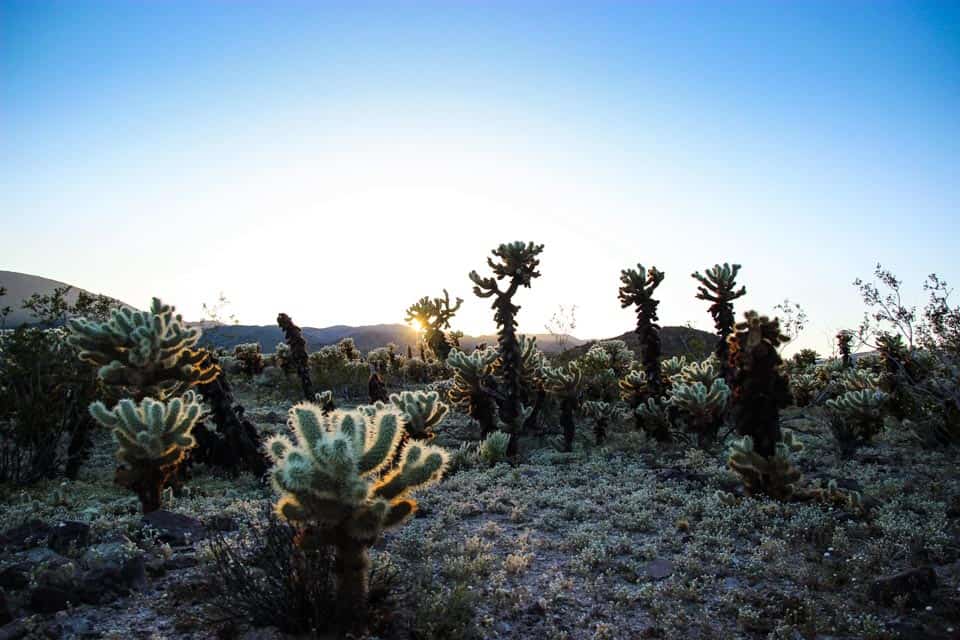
(495, 492)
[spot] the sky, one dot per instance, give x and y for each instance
(337, 161)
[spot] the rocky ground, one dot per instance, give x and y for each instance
(629, 540)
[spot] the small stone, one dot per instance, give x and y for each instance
(659, 569)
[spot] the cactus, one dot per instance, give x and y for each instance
(335, 484)
(638, 287)
(324, 400)
(422, 411)
(701, 406)
(376, 388)
(298, 352)
(859, 379)
(719, 287)
(518, 263)
(760, 390)
(493, 449)
(472, 379)
(567, 386)
(654, 416)
(603, 413)
(672, 367)
(774, 475)
(856, 417)
(250, 357)
(152, 439)
(433, 316)
(803, 386)
(635, 391)
(844, 338)
(703, 372)
(151, 352)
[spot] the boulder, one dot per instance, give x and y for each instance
(33, 533)
(915, 584)
(174, 528)
(67, 534)
(112, 568)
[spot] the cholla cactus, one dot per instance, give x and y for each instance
(152, 439)
(567, 385)
(517, 262)
(637, 290)
(704, 372)
(433, 316)
(856, 417)
(672, 367)
(472, 377)
(295, 352)
(701, 406)
(635, 391)
(334, 484)
(150, 351)
(250, 357)
(775, 475)
(719, 287)
(493, 449)
(859, 380)
(603, 413)
(324, 400)
(422, 411)
(803, 387)
(844, 338)
(654, 417)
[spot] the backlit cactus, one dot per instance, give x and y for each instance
(844, 338)
(856, 417)
(672, 367)
(603, 413)
(152, 439)
(422, 411)
(704, 372)
(654, 417)
(472, 379)
(719, 287)
(433, 316)
(517, 262)
(336, 485)
(638, 287)
(701, 407)
(152, 352)
(250, 357)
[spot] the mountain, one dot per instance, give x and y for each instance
(365, 337)
(20, 286)
(674, 341)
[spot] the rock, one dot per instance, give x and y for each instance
(13, 631)
(113, 568)
(15, 577)
(69, 533)
(49, 599)
(953, 509)
(659, 569)
(916, 584)
(177, 529)
(33, 533)
(6, 616)
(180, 562)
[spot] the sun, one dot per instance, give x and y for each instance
(417, 326)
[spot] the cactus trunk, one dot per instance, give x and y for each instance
(352, 570)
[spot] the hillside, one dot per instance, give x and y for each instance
(20, 286)
(675, 341)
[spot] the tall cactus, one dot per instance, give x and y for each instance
(517, 262)
(844, 338)
(472, 382)
(152, 439)
(298, 352)
(335, 484)
(719, 287)
(151, 352)
(637, 290)
(434, 315)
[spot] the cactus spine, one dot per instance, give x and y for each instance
(518, 263)
(335, 484)
(719, 287)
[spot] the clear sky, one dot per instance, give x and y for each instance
(338, 161)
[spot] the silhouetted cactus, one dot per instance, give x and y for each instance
(433, 316)
(719, 287)
(603, 413)
(376, 388)
(771, 475)
(517, 262)
(152, 438)
(298, 352)
(760, 390)
(844, 338)
(472, 382)
(567, 386)
(334, 484)
(150, 352)
(250, 357)
(637, 290)
(654, 417)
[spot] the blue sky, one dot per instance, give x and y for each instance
(338, 161)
